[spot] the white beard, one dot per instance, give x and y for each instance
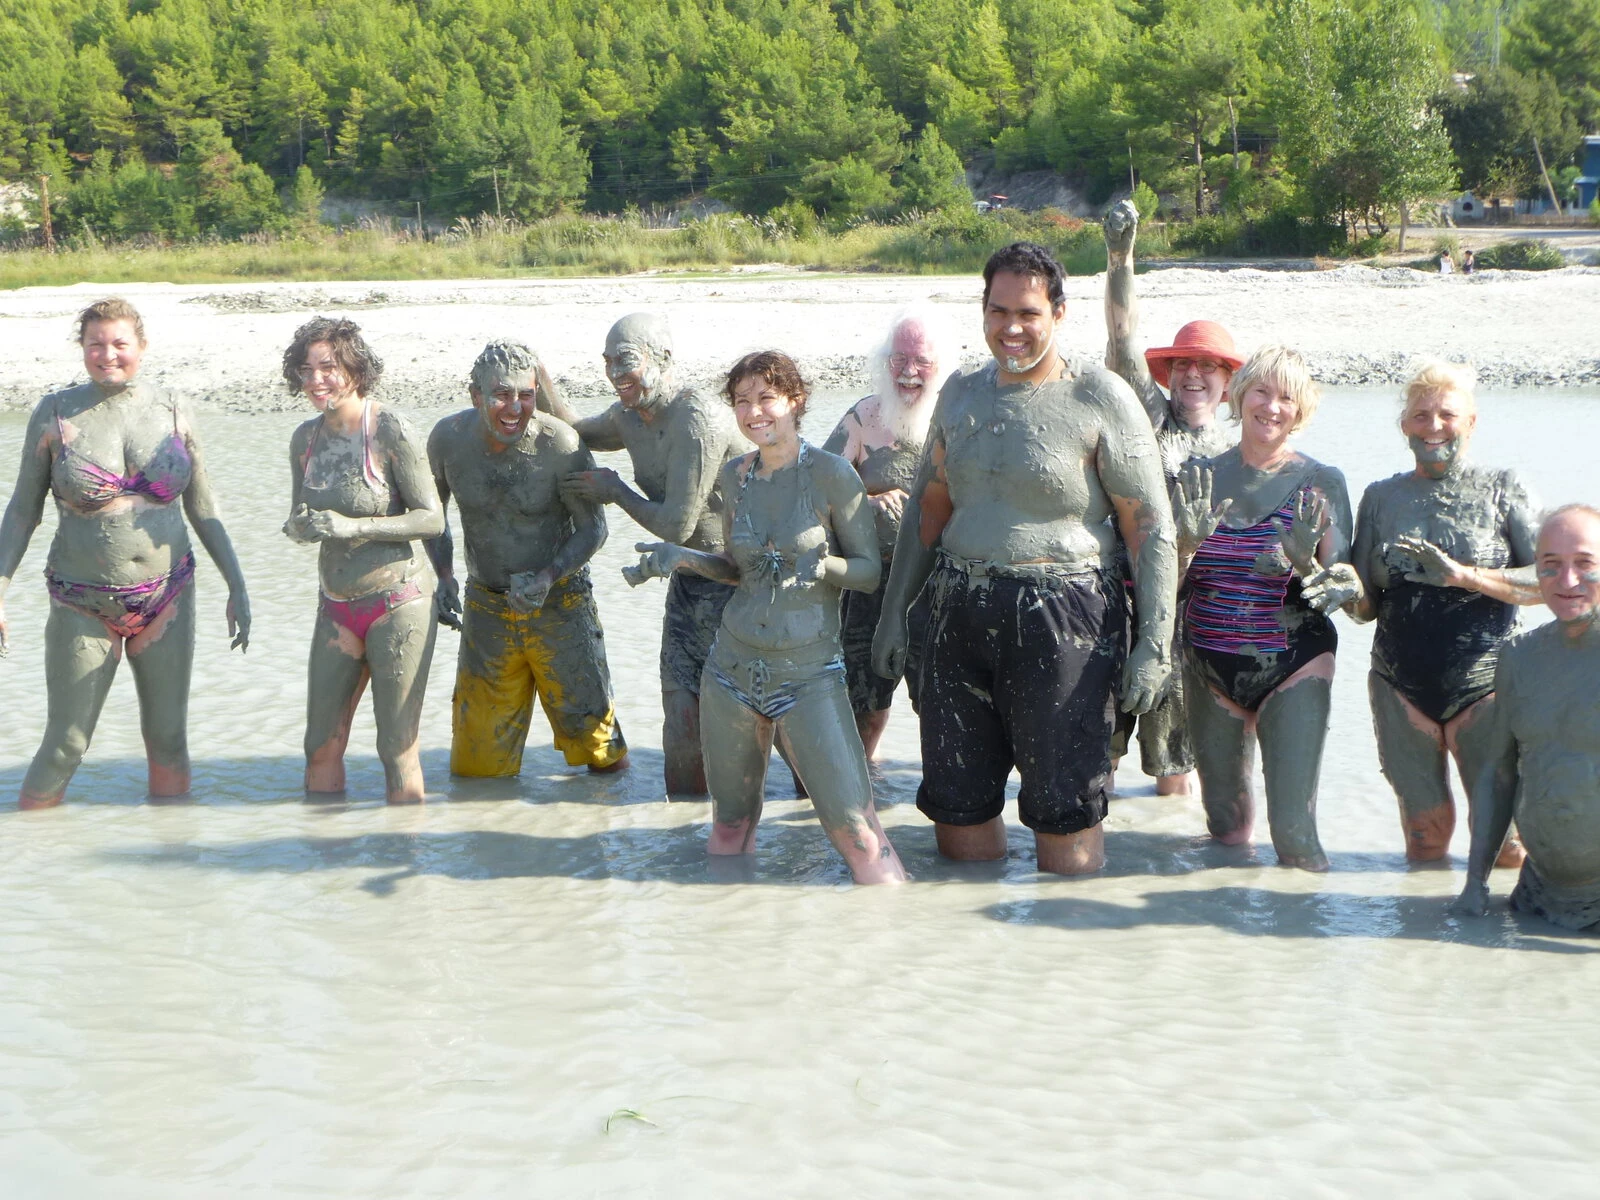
(907, 422)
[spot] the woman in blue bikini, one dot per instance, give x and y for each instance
(120, 571)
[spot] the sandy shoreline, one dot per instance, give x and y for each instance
(221, 343)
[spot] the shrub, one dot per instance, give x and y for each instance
(1523, 254)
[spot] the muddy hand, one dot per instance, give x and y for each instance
(1434, 566)
(600, 486)
(1144, 677)
(1332, 587)
(1121, 227)
(447, 602)
(657, 560)
(528, 590)
(1301, 537)
(891, 503)
(297, 527)
(1193, 513)
(239, 621)
(889, 646)
(5, 633)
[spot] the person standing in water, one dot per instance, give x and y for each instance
(678, 440)
(360, 490)
(1195, 370)
(881, 436)
(1541, 760)
(1258, 654)
(798, 530)
(1444, 553)
(530, 623)
(120, 571)
(1033, 466)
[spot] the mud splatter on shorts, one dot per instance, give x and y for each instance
(858, 621)
(688, 627)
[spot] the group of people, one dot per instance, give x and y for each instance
(1060, 558)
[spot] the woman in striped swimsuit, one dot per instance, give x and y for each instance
(1258, 657)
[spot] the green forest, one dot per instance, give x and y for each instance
(170, 120)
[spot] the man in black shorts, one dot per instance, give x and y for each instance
(1030, 460)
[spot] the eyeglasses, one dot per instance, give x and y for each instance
(331, 371)
(1206, 366)
(901, 361)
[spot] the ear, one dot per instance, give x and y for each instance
(476, 394)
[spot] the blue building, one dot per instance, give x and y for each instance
(1589, 181)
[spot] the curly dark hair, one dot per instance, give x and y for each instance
(777, 370)
(1028, 259)
(113, 308)
(350, 351)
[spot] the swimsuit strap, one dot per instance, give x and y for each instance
(374, 480)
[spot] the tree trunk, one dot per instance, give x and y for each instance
(1233, 123)
(1546, 174)
(1405, 219)
(1199, 177)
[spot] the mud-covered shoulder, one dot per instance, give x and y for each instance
(556, 434)
(303, 433)
(732, 471)
(1327, 479)
(395, 428)
(835, 473)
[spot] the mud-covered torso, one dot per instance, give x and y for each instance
(777, 524)
(693, 424)
(1441, 638)
(1548, 694)
(883, 470)
(1179, 444)
(1020, 464)
(508, 504)
(120, 463)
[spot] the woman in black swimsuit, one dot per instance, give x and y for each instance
(1436, 549)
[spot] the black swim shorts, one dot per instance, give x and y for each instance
(689, 625)
(1021, 669)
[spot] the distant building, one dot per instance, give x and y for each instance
(1589, 181)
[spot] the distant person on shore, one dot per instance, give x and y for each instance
(1446, 265)
(1469, 263)
(1542, 757)
(1444, 552)
(678, 439)
(797, 530)
(360, 490)
(1195, 372)
(882, 437)
(123, 461)
(1035, 464)
(527, 617)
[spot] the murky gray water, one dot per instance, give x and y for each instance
(542, 988)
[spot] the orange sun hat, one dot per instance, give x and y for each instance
(1197, 339)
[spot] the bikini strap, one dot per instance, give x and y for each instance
(374, 479)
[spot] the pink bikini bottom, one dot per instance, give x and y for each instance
(126, 610)
(359, 615)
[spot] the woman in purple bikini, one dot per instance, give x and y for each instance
(362, 490)
(120, 571)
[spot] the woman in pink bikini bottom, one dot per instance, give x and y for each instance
(361, 490)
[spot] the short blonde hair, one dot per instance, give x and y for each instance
(1433, 377)
(112, 308)
(1283, 368)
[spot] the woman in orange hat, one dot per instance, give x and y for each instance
(1196, 370)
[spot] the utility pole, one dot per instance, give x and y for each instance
(497, 215)
(421, 232)
(44, 213)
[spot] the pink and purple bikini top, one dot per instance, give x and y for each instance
(84, 484)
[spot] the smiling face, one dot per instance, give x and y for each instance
(766, 415)
(112, 351)
(1019, 322)
(633, 374)
(913, 364)
(508, 404)
(1569, 566)
(323, 379)
(1267, 414)
(1438, 426)
(1199, 386)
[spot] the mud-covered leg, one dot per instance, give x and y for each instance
(162, 660)
(1224, 752)
(1292, 727)
(1164, 752)
(735, 768)
(869, 727)
(1467, 738)
(399, 653)
(822, 736)
(680, 744)
(336, 677)
(80, 662)
(1411, 754)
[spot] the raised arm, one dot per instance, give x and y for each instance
(205, 517)
(1494, 797)
(1123, 353)
(26, 508)
(442, 549)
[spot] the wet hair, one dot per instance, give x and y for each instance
(1028, 259)
(1283, 368)
(350, 350)
(777, 370)
(502, 355)
(1433, 376)
(112, 308)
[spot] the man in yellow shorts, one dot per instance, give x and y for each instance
(528, 620)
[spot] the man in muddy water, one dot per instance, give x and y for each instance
(882, 436)
(1543, 754)
(678, 440)
(1029, 461)
(527, 616)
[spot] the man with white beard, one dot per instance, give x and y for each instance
(882, 437)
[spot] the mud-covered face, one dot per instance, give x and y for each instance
(325, 383)
(766, 415)
(634, 375)
(1438, 428)
(1198, 385)
(508, 404)
(1267, 414)
(1569, 566)
(112, 351)
(1019, 322)
(913, 364)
